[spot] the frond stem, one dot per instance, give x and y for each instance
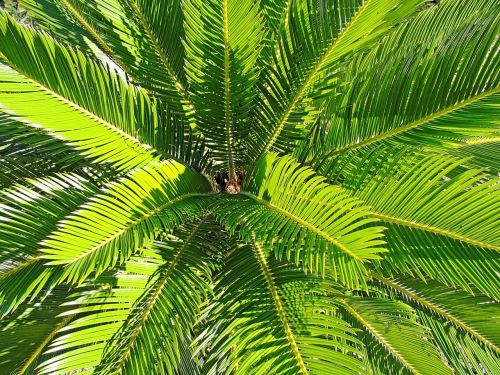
(435, 230)
(261, 258)
(305, 224)
(378, 336)
(227, 93)
(435, 309)
(307, 83)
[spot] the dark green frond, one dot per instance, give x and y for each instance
(310, 53)
(151, 339)
(442, 222)
(144, 38)
(396, 342)
(433, 92)
(26, 334)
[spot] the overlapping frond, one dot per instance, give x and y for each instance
(76, 98)
(290, 208)
(267, 318)
(28, 214)
(317, 39)
(462, 326)
(441, 222)
(144, 38)
(126, 216)
(396, 342)
(96, 311)
(104, 230)
(151, 339)
(474, 316)
(53, 17)
(222, 45)
(27, 152)
(135, 321)
(426, 92)
(381, 255)
(25, 334)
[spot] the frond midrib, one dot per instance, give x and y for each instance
(157, 291)
(379, 337)
(309, 80)
(136, 222)
(278, 304)
(90, 29)
(227, 91)
(34, 356)
(415, 124)
(161, 54)
(436, 309)
(77, 107)
(304, 223)
(434, 230)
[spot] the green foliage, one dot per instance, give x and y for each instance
(249, 187)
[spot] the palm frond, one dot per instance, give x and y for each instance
(385, 101)
(25, 335)
(29, 214)
(151, 338)
(435, 213)
(126, 216)
(396, 342)
(143, 38)
(289, 207)
(311, 50)
(60, 21)
(116, 318)
(96, 311)
(105, 230)
(474, 316)
(222, 45)
(27, 153)
(265, 318)
(70, 102)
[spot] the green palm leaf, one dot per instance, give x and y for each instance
(129, 307)
(313, 49)
(128, 215)
(395, 341)
(232, 31)
(143, 38)
(249, 187)
(391, 80)
(29, 214)
(421, 205)
(288, 207)
(26, 334)
(78, 108)
(96, 312)
(187, 270)
(286, 332)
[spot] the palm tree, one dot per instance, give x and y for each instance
(250, 187)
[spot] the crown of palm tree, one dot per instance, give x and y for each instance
(250, 187)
